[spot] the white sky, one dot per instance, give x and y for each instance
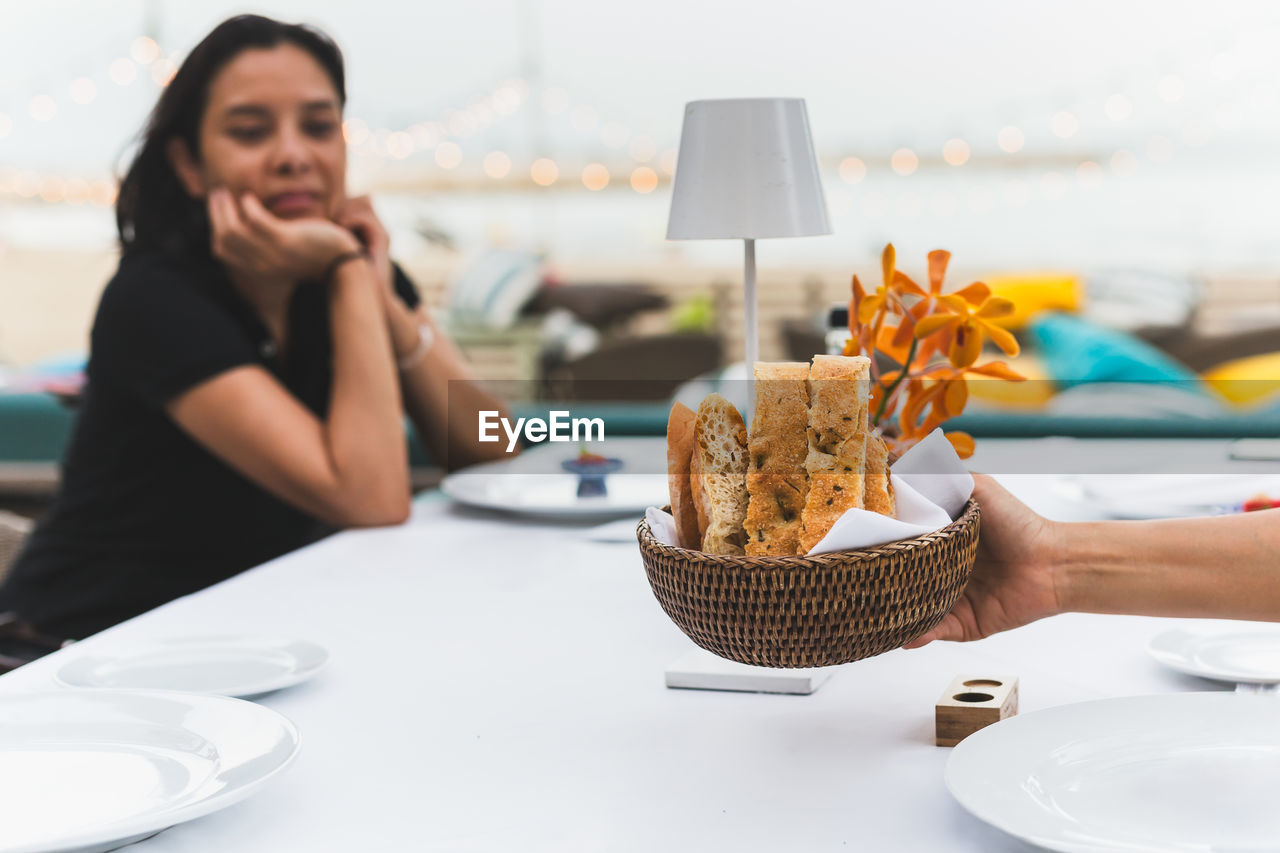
(876, 75)
(1192, 88)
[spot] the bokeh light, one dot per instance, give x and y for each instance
(83, 90)
(544, 171)
(955, 152)
(497, 164)
(400, 145)
(1089, 174)
(144, 50)
(448, 155)
(1010, 139)
(123, 72)
(595, 176)
(644, 180)
(904, 161)
(1124, 162)
(852, 170)
(43, 108)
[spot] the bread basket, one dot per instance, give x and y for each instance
(813, 611)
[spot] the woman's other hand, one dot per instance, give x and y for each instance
(357, 216)
(250, 239)
(1013, 581)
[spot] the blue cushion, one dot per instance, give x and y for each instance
(1077, 352)
(34, 427)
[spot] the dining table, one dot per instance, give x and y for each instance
(496, 683)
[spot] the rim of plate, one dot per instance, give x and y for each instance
(1075, 488)
(976, 744)
(74, 672)
(1163, 649)
(467, 488)
(162, 819)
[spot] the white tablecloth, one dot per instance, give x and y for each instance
(497, 685)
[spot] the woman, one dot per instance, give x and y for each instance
(1028, 567)
(252, 357)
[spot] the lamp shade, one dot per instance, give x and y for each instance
(746, 170)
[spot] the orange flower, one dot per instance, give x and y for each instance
(903, 335)
(864, 306)
(887, 295)
(946, 394)
(895, 342)
(944, 398)
(912, 325)
(962, 442)
(878, 390)
(997, 370)
(971, 311)
(938, 260)
(859, 342)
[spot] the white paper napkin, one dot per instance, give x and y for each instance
(931, 486)
(933, 469)
(662, 525)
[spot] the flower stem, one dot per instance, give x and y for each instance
(884, 401)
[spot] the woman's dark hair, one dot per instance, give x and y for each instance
(153, 210)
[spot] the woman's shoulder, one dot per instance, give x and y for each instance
(145, 270)
(150, 290)
(161, 320)
(150, 283)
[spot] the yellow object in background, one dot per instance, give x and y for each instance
(1246, 381)
(1032, 394)
(1034, 292)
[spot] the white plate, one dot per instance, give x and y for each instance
(1175, 772)
(230, 666)
(550, 495)
(1249, 657)
(90, 770)
(1139, 496)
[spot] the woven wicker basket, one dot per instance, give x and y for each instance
(813, 611)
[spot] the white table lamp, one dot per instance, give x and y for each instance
(746, 171)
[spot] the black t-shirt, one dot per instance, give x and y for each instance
(145, 514)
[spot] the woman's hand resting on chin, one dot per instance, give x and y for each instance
(249, 239)
(357, 216)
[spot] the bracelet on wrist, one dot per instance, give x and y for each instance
(426, 339)
(334, 265)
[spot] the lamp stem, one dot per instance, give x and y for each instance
(751, 343)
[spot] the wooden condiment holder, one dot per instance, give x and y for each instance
(973, 702)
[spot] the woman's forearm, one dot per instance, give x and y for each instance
(364, 429)
(1220, 567)
(441, 396)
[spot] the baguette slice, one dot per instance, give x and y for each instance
(877, 495)
(699, 497)
(680, 446)
(722, 458)
(837, 457)
(777, 482)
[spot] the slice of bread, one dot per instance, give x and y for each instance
(722, 457)
(695, 492)
(837, 458)
(877, 494)
(777, 482)
(680, 445)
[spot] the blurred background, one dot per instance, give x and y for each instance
(1116, 162)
